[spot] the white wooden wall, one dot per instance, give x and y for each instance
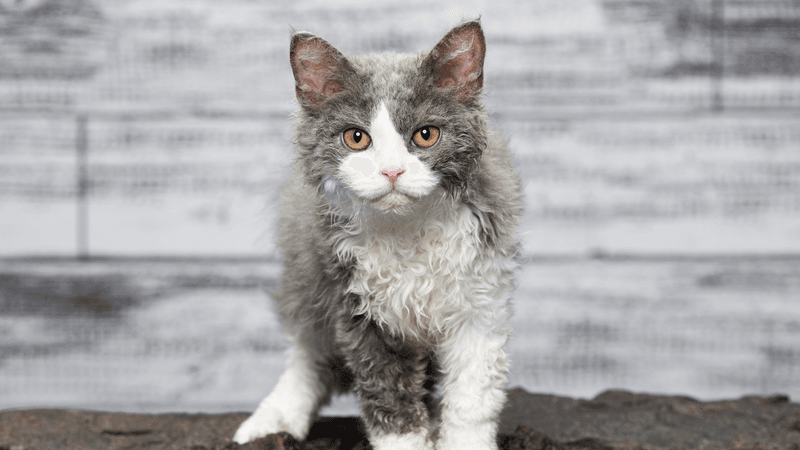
(639, 127)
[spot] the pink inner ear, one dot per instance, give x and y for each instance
(315, 64)
(460, 64)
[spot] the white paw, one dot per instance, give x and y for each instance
(463, 444)
(467, 439)
(410, 441)
(270, 419)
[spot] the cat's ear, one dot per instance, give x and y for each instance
(456, 62)
(317, 67)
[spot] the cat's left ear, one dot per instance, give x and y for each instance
(456, 62)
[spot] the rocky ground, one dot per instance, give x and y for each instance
(613, 420)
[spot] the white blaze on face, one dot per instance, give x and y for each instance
(366, 173)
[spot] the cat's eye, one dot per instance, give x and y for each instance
(356, 139)
(426, 137)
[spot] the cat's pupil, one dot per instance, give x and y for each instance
(425, 133)
(357, 137)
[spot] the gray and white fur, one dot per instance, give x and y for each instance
(398, 236)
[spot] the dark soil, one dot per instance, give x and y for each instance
(613, 420)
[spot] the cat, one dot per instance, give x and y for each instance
(398, 236)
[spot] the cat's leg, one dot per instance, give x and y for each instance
(474, 365)
(390, 381)
(305, 385)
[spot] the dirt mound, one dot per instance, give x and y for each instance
(612, 420)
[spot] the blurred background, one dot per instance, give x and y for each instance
(143, 143)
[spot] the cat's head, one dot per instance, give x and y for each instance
(385, 130)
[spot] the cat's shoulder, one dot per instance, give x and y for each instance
(497, 172)
(298, 203)
(495, 195)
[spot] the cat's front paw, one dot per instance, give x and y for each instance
(250, 430)
(466, 439)
(269, 419)
(409, 441)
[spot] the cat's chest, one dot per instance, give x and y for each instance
(415, 277)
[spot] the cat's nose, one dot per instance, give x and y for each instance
(392, 175)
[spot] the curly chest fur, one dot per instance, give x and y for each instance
(429, 276)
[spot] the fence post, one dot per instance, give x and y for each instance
(82, 172)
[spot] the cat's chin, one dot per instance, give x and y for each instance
(394, 202)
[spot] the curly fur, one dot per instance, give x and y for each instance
(389, 287)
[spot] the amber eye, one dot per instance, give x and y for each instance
(426, 137)
(356, 139)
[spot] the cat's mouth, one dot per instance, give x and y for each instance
(394, 201)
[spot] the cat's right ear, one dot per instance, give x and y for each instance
(317, 67)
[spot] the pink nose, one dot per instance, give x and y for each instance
(392, 175)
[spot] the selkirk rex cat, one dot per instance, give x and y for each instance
(398, 235)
